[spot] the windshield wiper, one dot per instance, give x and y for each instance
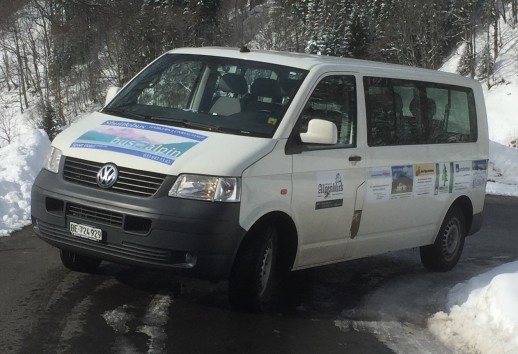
(125, 114)
(177, 122)
(187, 124)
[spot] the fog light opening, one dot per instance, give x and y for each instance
(190, 259)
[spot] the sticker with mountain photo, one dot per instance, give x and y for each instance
(402, 181)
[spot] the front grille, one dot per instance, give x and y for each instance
(130, 181)
(95, 215)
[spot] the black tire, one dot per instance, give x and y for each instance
(253, 275)
(79, 263)
(444, 254)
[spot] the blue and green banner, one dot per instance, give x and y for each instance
(150, 141)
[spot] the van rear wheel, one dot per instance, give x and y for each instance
(252, 278)
(79, 263)
(444, 254)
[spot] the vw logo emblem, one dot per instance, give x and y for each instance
(107, 176)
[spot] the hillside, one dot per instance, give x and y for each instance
(502, 92)
(58, 57)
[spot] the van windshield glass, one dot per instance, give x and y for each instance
(210, 93)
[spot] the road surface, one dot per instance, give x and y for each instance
(374, 305)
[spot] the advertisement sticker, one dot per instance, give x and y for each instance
(443, 178)
(479, 174)
(379, 184)
(149, 141)
(402, 181)
(462, 175)
(424, 180)
(330, 190)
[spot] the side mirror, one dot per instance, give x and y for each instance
(320, 132)
(112, 92)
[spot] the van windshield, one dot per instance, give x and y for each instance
(210, 93)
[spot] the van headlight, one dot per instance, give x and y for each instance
(216, 189)
(53, 159)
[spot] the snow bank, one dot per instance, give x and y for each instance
(483, 315)
(20, 162)
(509, 190)
(502, 114)
(503, 174)
(505, 160)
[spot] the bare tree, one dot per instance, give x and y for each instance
(8, 126)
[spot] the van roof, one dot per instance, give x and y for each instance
(312, 61)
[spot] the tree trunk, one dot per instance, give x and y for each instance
(21, 78)
(488, 58)
(495, 30)
(6, 71)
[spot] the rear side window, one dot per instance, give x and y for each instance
(408, 112)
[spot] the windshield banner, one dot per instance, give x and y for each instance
(149, 141)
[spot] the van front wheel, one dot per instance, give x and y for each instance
(251, 282)
(79, 263)
(444, 254)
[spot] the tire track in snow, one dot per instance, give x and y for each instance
(153, 324)
(118, 320)
(154, 321)
(69, 282)
(76, 319)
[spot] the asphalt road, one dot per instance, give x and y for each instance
(45, 308)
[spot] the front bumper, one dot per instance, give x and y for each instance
(194, 238)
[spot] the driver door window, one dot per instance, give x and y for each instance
(334, 100)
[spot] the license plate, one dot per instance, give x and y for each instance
(84, 231)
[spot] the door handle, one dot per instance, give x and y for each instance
(355, 158)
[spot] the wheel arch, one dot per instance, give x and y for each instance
(466, 206)
(444, 253)
(287, 236)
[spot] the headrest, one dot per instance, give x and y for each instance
(429, 106)
(398, 102)
(288, 86)
(233, 83)
(264, 87)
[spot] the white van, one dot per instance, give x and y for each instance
(234, 164)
